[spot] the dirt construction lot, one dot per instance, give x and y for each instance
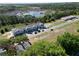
(52, 35)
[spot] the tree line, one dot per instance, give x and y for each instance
(11, 20)
(58, 6)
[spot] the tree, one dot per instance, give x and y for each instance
(44, 48)
(6, 30)
(77, 30)
(70, 43)
(2, 31)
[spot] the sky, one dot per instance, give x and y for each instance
(36, 1)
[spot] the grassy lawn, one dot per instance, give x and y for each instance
(72, 28)
(57, 22)
(11, 26)
(20, 25)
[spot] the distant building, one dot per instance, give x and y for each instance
(69, 18)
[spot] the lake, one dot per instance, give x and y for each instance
(32, 13)
(35, 13)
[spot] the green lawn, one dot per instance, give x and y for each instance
(11, 26)
(57, 22)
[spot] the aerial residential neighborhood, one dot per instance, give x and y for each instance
(43, 29)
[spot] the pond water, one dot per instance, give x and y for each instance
(35, 13)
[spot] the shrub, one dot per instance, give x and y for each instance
(77, 30)
(6, 30)
(70, 43)
(20, 38)
(51, 29)
(2, 31)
